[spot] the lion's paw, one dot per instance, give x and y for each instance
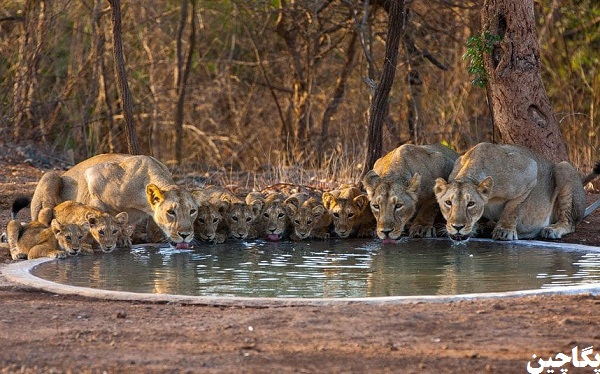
(60, 254)
(504, 234)
(419, 231)
(553, 232)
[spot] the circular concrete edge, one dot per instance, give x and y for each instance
(19, 273)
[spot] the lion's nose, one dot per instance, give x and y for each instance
(386, 231)
(184, 235)
(458, 227)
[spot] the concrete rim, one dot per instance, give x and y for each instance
(20, 273)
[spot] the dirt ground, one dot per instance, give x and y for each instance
(46, 333)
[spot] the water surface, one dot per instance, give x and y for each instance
(333, 268)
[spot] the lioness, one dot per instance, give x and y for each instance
(139, 185)
(308, 217)
(525, 194)
(104, 230)
(351, 216)
(401, 184)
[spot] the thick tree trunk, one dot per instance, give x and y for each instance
(521, 108)
(126, 101)
(382, 92)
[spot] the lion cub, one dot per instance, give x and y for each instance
(43, 238)
(308, 217)
(104, 230)
(348, 207)
(209, 217)
(273, 222)
(400, 186)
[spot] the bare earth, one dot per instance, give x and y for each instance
(46, 333)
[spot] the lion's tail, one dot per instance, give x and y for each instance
(588, 178)
(18, 204)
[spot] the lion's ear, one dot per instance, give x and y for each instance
(440, 186)
(223, 206)
(414, 185)
(328, 200)
(154, 194)
(318, 211)
(56, 227)
(122, 218)
(370, 181)
(485, 187)
(290, 209)
(361, 201)
(91, 218)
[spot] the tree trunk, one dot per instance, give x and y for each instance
(379, 103)
(126, 101)
(181, 79)
(521, 108)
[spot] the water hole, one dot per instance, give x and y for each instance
(331, 269)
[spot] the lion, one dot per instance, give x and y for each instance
(522, 194)
(69, 237)
(308, 217)
(273, 222)
(237, 215)
(45, 237)
(141, 186)
(209, 217)
(104, 230)
(350, 212)
(400, 187)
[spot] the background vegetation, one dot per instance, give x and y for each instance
(269, 84)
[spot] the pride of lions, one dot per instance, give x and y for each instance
(114, 200)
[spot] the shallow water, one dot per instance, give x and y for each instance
(333, 268)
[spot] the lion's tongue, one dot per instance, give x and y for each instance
(389, 241)
(273, 237)
(182, 245)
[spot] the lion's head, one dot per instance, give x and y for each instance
(274, 220)
(239, 217)
(208, 220)
(393, 202)
(174, 212)
(346, 207)
(106, 229)
(69, 236)
(305, 214)
(462, 204)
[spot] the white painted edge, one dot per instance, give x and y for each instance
(20, 273)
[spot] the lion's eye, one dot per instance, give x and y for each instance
(201, 220)
(192, 212)
(266, 215)
(215, 220)
(297, 222)
(350, 215)
(68, 237)
(398, 206)
(309, 222)
(448, 202)
(171, 212)
(248, 219)
(375, 206)
(336, 215)
(101, 232)
(115, 232)
(280, 215)
(470, 204)
(234, 219)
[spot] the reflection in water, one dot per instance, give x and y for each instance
(332, 268)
